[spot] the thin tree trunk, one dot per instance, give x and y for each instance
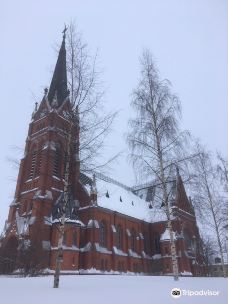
(216, 229)
(219, 243)
(221, 252)
(169, 222)
(59, 256)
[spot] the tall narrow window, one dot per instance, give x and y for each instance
(33, 164)
(103, 234)
(106, 265)
(119, 236)
(133, 240)
(74, 260)
(146, 243)
(74, 243)
(57, 161)
(64, 238)
(157, 243)
(187, 239)
(119, 266)
(102, 265)
(122, 266)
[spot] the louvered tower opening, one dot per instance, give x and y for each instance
(57, 162)
(33, 165)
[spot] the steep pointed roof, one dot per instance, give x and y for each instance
(58, 88)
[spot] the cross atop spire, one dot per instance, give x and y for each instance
(58, 88)
(64, 31)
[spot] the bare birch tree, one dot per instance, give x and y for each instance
(87, 94)
(86, 116)
(207, 200)
(208, 247)
(222, 168)
(155, 139)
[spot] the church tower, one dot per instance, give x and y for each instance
(40, 184)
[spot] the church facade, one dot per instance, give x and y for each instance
(110, 228)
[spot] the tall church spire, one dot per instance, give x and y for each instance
(58, 88)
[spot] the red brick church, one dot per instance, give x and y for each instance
(110, 228)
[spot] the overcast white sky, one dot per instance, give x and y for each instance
(188, 38)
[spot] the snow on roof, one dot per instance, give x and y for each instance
(117, 198)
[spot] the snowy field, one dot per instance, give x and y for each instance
(94, 289)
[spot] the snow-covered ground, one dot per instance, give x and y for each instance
(94, 289)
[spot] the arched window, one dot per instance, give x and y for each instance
(133, 240)
(157, 244)
(103, 234)
(119, 237)
(57, 161)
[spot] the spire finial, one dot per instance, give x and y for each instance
(45, 91)
(64, 31)
(177, 169)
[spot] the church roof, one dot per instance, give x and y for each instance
(126, 202)
(58, 88)
(117, 197)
